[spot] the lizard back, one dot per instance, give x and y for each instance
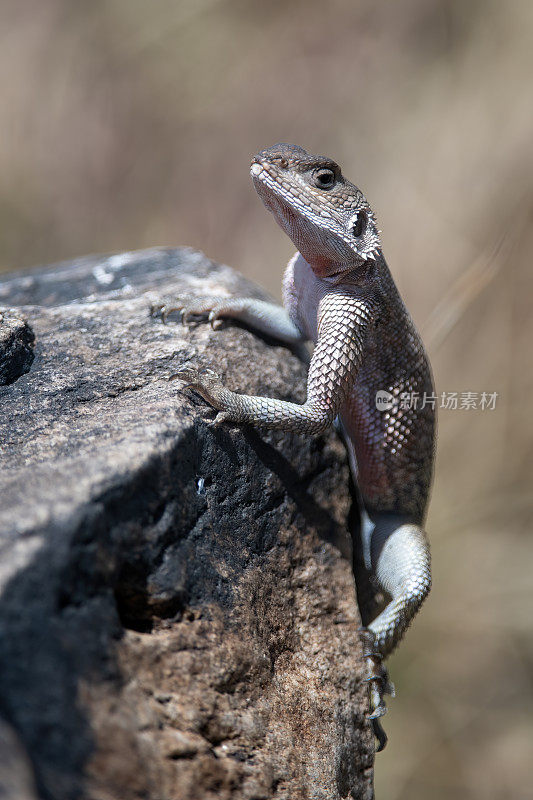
(393, 447)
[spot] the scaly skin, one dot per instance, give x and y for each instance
(338, 293)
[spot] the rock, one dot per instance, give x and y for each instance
(177, 620)
(17, 341)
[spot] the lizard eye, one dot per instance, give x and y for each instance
(324, 178)
(359, 224)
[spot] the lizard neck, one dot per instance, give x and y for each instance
(360, 274)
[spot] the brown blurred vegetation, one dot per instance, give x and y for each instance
(126, 124)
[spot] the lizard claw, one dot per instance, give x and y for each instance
(221, 417)
(163, 310)
(194, 376)
(379, 685)
(380, 735)
(214, 319)
(206, 383)
(192, 310)
(187, 374)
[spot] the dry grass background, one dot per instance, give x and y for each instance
(126, 124)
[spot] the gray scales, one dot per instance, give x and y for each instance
(339, 294)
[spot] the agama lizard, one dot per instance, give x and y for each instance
(338, 293)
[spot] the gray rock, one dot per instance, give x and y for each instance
(176, 620)
(17, 341)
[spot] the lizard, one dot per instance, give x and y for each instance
(339, 294)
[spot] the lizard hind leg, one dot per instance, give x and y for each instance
(400, 561)
(397, 561)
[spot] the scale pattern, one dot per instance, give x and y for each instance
(404, 571)
(336, 359)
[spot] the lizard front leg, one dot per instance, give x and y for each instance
(268, 318)
(334, 364)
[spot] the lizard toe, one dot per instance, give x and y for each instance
(163, 310)
(188, 374)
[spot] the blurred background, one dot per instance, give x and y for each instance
(127, 124)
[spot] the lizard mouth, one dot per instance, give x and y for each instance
(266, 189)
(287, 203)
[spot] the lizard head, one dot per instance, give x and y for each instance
(327, 217)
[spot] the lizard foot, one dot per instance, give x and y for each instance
(208, 385)
(192, 311)
(379, 685)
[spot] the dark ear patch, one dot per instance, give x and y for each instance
(359, 226)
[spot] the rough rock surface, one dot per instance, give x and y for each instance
(176, 622)
(16, 347)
